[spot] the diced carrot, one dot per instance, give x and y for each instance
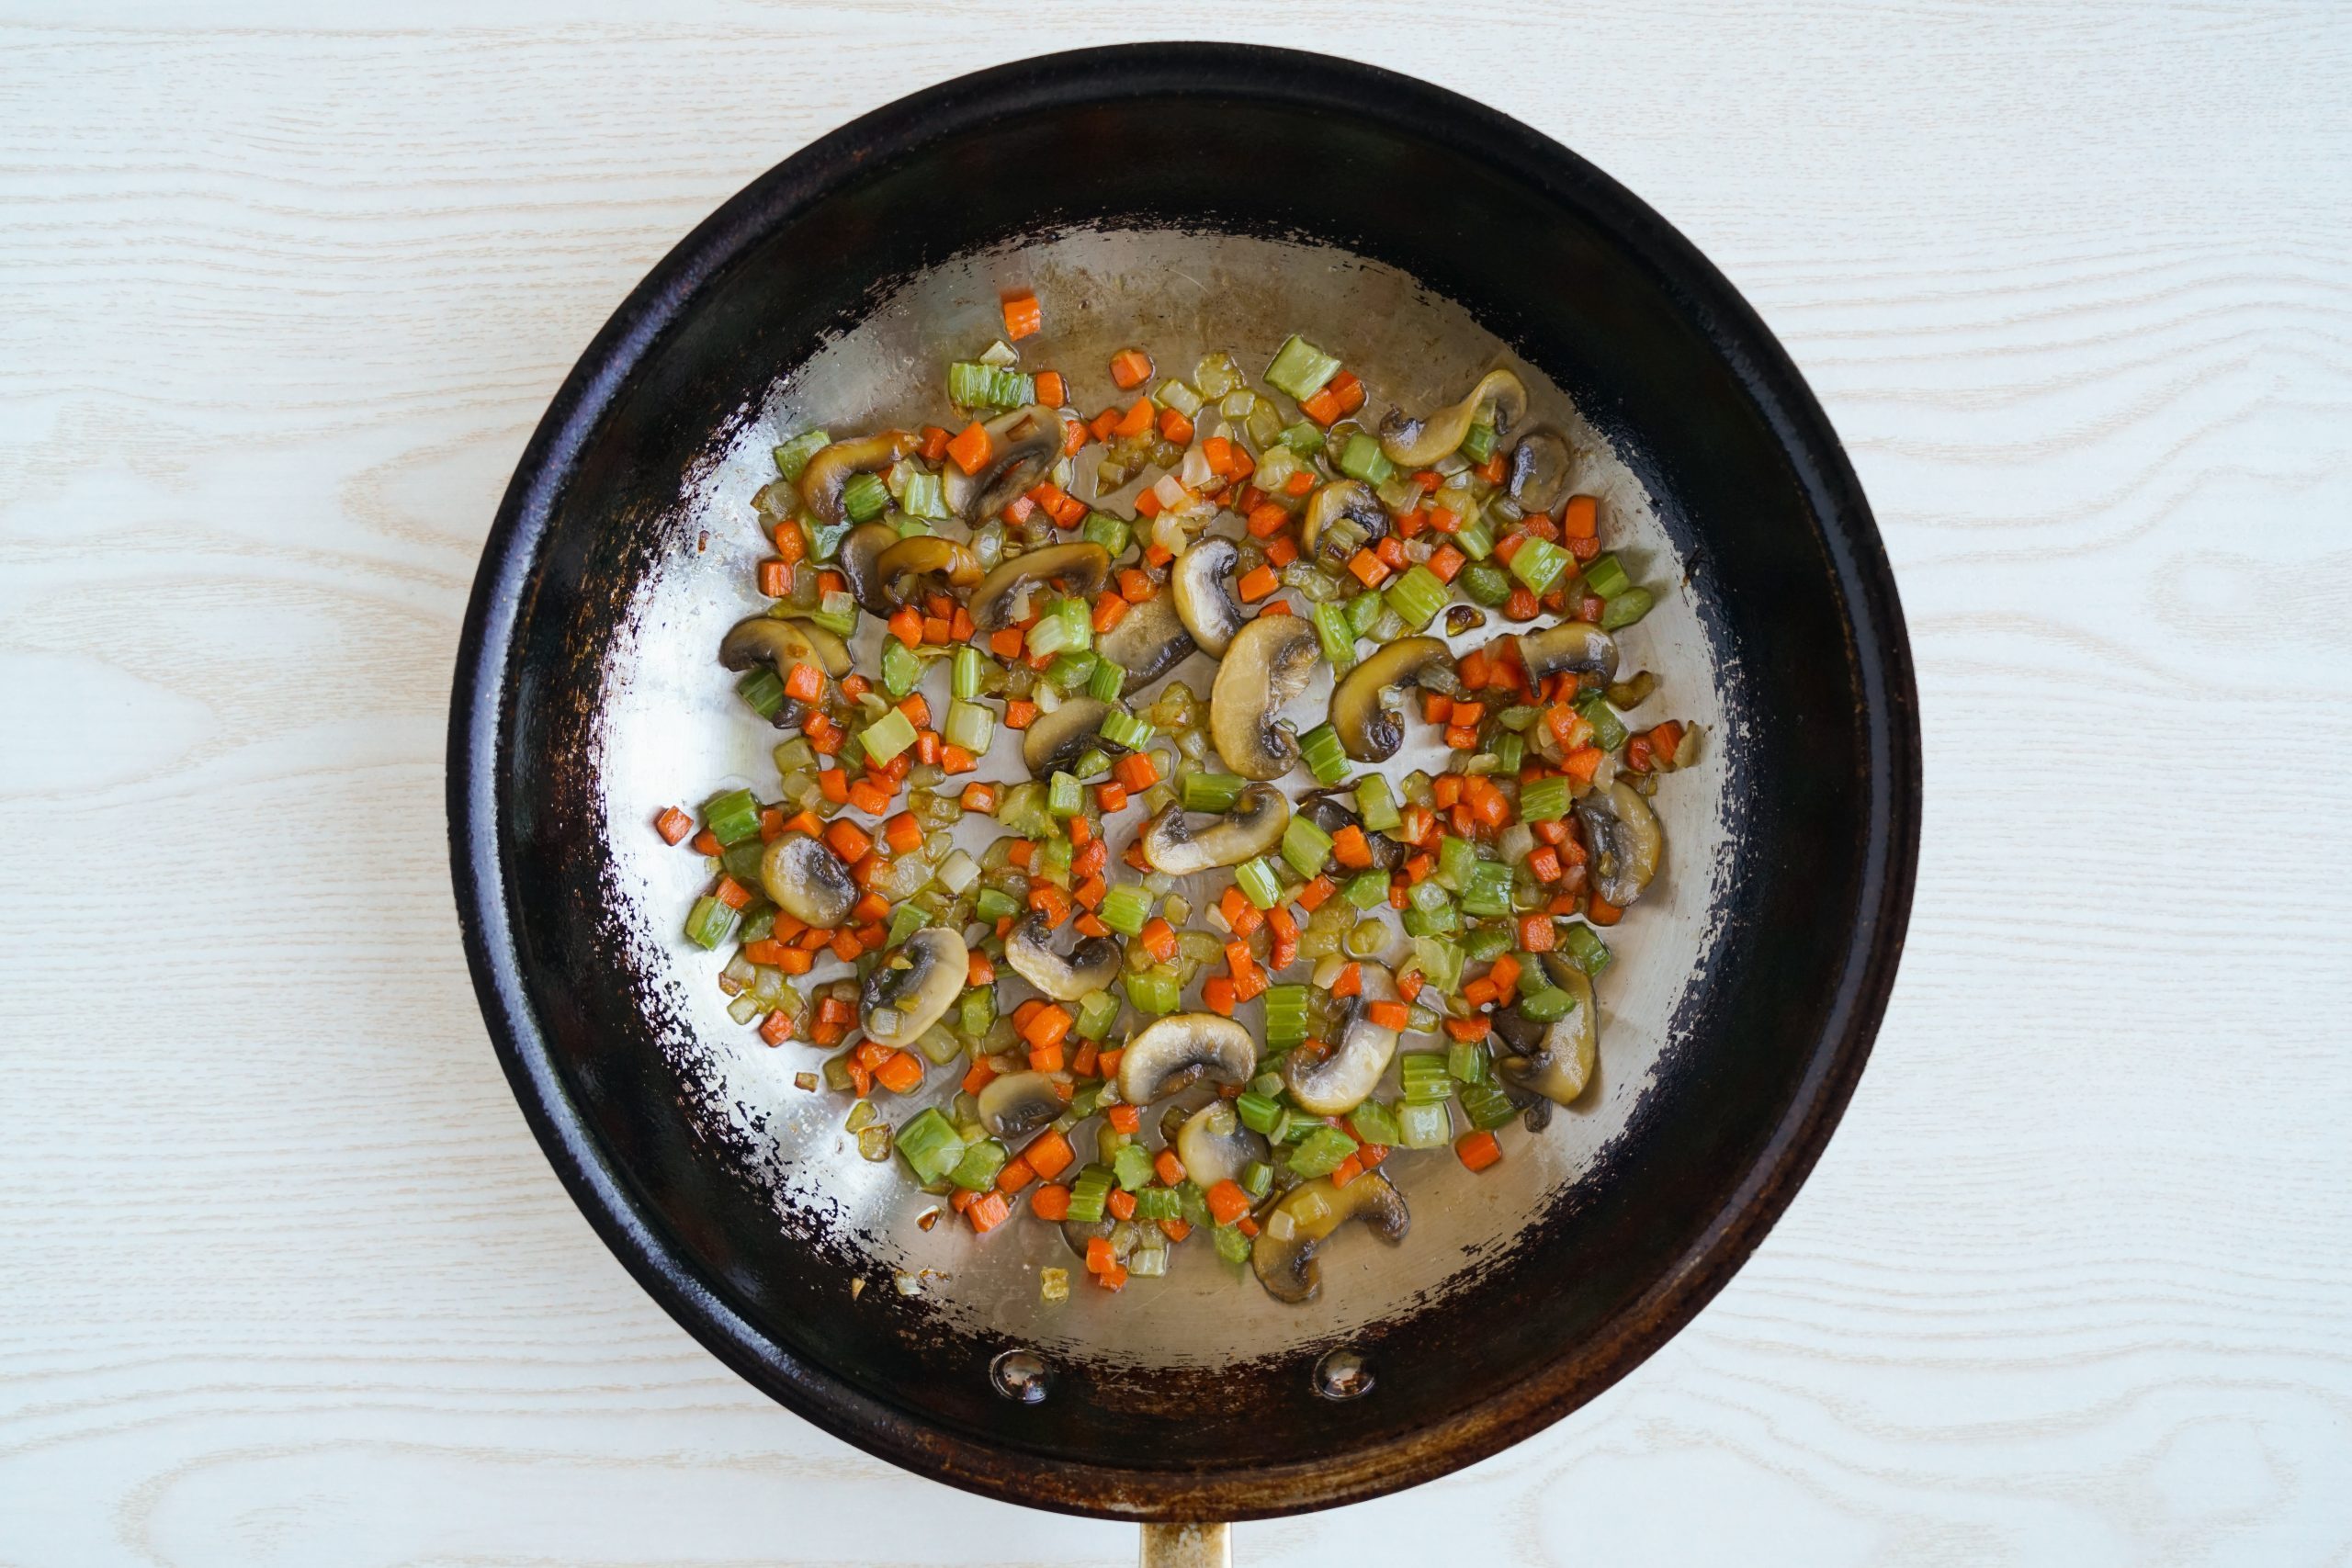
(971, 449)
(1115, 1276)
(1168, 1168)
(1130, 367)
(1137, 771)
(1281, 552)
(1109, 611)
(1391, 551)
(1051, 902)
(1368, 568)
(1175, 1230)
(774, 578)
(1158, 939)
(1137, 420)
(1312, 896)
(1125, 1118)
(1468, 1029)
(847, 841)
(1217, 995)
(1022, 315)
(704, 843)
(1347, 1170)
(1388, 1015)
(1582, 764)
(1256, 585)
(1175, 427)
(1352, 848)
(1581, 518)
(1048, 1059)
(1267, 519)
(1447, 563)
(987, 1212)
(776, 1027)
(869, 797)
(731, 893)
(791, 544)
(1226, 1201)
(906, 625)
(1051, 391)
(1477, 1150)
(900, 1073)
(673, 825)
(1051, 1204)
(1347, 390)
(1322, 408)
(1049, 1153)
(771, 824)
(1111, 795)
(1020, 714)
(1349, 982)
(1520, 606)
(1089, 894)
(1601, 912)
(1100, 1257)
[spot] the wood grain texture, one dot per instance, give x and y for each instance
(284, 1280)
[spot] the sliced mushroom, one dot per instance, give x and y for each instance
(1350, 499)
(1416, 442)
(1266, 665)
(807, 881)
(1332, 810)
(1554, 1059)
(1018, 1104)
(1148, 641)
(1169, 1053)
(1365, 713)
(764, 639)
(1539, 470)
(925, 555)
(1625, 840)
(1252, 826)
(860, 556)
(830, 469)
(1082, 568)
(1204, 598)
(1334, 1082)
(1214, 1145)
(1021, 445)
(1055, 741)
(1090, 967)
(1283, 1254)
(919, 982)
(1572, 645)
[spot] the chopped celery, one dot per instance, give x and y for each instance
(1131, 1166)
(1088, 1193)
(793, 454)
(1211, 791)
(1374, 1123)
(1062, 797)
(1285, 1016)
(1364, 612)
(865, 498)
(1488, 890)
(1231, 1245)
(1466, 1062)
(1441, 962)
(1125, 730)
(1417, 595)
(992, 904)
(1157, 1202)
(1257, 1179)
(1367, 889)
(1321, 1151)
(1478, 443)
(1423, 1126)
(1154, 991)
(1544, 800)
(1306, 846)
(1097, 1011)
(1608, 730)
(1486, 1106)
(1300, 368)
(969, 672)
(1475, 540)
(824, 538)
(976, 1171)
(1482, 943)
(1362, 458)
(1302, 439)
(901, 671)
(888, 735)
(1586, 949)
(1069, 671)
(1125, 908)
(1256, 879)
(1486, 582)
(1107, 681)
(1339, 637)
(1605, 575)
(976, 1011)
(1538, 563)
(837, 612)
(931, 1145)
(741, 861)
(1455, 859)
(708, 922)
(1113, 534)
(1064, 628)
(1324, 757)
(1257, 1111)
(732, 816)
(1442, 921)
(1625, 609)
(763, 690)
(1509, 752)
(1376, 804)
(1548, 1004)
(1424, 1078)
(925, 497)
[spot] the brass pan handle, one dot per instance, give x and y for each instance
(1187, 1546)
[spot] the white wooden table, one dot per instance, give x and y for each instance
(283, 1278)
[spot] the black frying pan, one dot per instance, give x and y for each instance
(1203, 186)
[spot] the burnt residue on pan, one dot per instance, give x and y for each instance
(682, 1171)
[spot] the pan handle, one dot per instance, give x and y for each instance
(1187, 1546)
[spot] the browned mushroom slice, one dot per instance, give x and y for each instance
(764, 639)
(1539, 470)
(925, 555)
(914, 986)
(831, 469)
(1553, 1058)
(1053, 742)
(1148, 641)
(1572, 645)
(1363, 711)
(1214, 1145)
(1169, 1053)
(1203, 600)
(1416, 442)
(1017, 1104)
(1251, 826)
(1284, 1255)
(1625, 840)
(998, 601)
(1090, 967)
(1336, 1081)
(807, 881)
(1350, 499)
(1022, 444)
(1266, 665)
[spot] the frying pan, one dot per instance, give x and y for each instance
(1188, 197)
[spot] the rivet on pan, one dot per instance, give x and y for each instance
(1342, 1374)
(1021, 1376)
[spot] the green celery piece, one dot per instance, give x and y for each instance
(967, 675)
(1319, 748)
(901, 671)
(1258, 883)
(1376, 804)
(1126, 908)
(1375, 1122)
(1538, 563)
(1306, 846)
(1630, 605)
(1132, 1167)
(792, 457)
(1586, 949)
(1211, 791)
(1113, 534)
(708, 922)
(1338, 636)
(1367, 889)
(976, 1171)
(1547, 1005)
(1417, 596)
(888, 735)
(1231, 1245)
(1107, 681)
(1321, 1151)
(1257, 1111)
(732, 816)
(1300, 368)
(763, 690)
(1424, 1126)
(1364, 610)
(1544, 800)
(865, 498)
(1362, 458)
(930, 1145)
(1605, 575)
(1608, 730)
(1478, 442)
(1097, 1011)
(1153, 991)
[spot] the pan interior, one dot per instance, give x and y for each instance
(1425, 240)
(673, 730)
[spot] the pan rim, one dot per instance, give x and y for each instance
(1880, 646)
